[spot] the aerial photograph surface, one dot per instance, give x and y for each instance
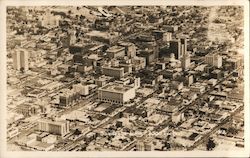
(125, 78)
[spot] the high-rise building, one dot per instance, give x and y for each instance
(213, 60)
(144, 145)
(54, 127)
(183, 46)
(130, 48)
(178, 47)
(137, 82)
(167, 36)
(21, 60)
(72, 37)
(185, 61)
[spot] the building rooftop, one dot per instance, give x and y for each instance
(117, 88)
(59, 122)
(115, 49)
(123, 43)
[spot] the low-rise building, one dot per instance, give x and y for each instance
(116, 93)
(117, 72)
(12, 132)
(81, 89)
(138, 63)
(197, 88)
(115, 51)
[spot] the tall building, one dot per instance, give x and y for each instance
(144, 145)
(183, 46)
(54, 127)
(213, 59)
(137, 82)
(185, 61)
(167, 36)
(72, 37)
(178, 47)
(130, 48)
(21, 60)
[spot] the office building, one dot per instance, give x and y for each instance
(137, 82)
(83, 90)
(143, 145)
(178, 47)
(116, 72)
(67, 97)
(130, 48)
(167, 36)
(185, 61)
(115, 52)
(148, 54)
(213, 59)
(72, 37)
(116, 93)
(235, 62)
(138, 63)
(21, 60)
(54, 127)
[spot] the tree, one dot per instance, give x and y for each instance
(210, 144)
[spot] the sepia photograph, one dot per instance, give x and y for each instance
(125, 78)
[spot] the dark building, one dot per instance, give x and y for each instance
(177, 47)
(150, 55)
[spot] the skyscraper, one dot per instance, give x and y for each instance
(178, 47)
(21, 60)
(185, 61)
(183, 46)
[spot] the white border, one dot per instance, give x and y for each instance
(7, 154)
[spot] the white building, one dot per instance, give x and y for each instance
(185, 61)
(81, 89)
(21, 60)
(116, 93)
(54, 127)
(214, 60)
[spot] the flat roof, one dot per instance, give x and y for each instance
(113, 68)
(123, 43)
(53, 122)
(96, 47)
(115, 87)
(115, 49)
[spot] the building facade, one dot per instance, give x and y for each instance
(54, 127)
(117, 72)
(21, 60)
(116, 93)
(214, 60)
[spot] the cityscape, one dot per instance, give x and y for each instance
(125, 78)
